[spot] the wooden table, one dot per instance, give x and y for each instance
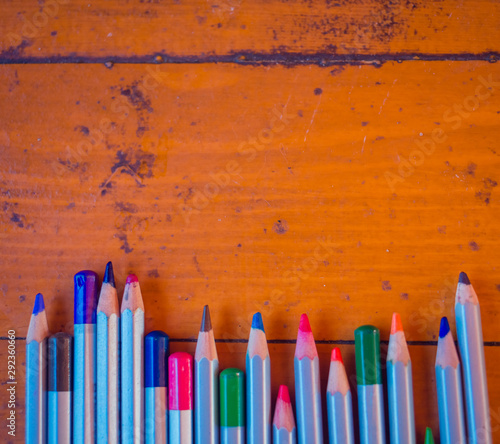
(334, 158)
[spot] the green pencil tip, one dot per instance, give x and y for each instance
(429, 439)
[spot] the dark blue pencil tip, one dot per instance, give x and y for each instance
(39, 304)
(463, 279)
(444, 328)
(257, 321)
(109, 276)
(206, 321)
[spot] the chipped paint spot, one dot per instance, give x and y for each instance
(386, 286)
(280, 227)
(473, 246)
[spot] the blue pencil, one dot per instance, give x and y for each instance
(108, 370)
(470, 343)
(206, 386)
(156, 350)
(258, 381)
(449, 389)
(60, 388)
(339, 402)
(84, 357)
(307, 386)
(132, 362)
(36, 374)
(284, 430)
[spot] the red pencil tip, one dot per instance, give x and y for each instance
(304, 323)
(132, 278)
(283, 394)
(336, 355)
(396, 323)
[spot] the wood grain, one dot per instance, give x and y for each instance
(306, 222)
(246, 30)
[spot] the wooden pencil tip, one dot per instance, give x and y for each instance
(39, 304)
(463, 278)
(397, 325)
(444, 328)
(336, 355)
(109, 276)
(206, 321)
(132, 278)
(283, 394)
(304, 324)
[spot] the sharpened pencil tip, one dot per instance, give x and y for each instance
(336, 355)
(109, 275)
(206, 321)
(396, 325)
(257, 321)
(132, 278)
(463, 278)
(39, 304)
(444, 328)
(429, 439)
(283, 394)
(304, 324)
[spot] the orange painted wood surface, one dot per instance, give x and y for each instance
(104, 29)
(346, 192)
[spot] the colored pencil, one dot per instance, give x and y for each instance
(284, 430)
(60, 387)
(108, 366)
(370, 390)
(449, 388)
(232, 406)
(429, 439)
(339, 402)
(400, 387)
(307, 386)
(258, 381)
(84, 380)
(471, 346)
(132, 362)
(156, 350)
(180, 398)
(206, 387)
(36, 374)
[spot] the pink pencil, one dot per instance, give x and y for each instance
(180, 396)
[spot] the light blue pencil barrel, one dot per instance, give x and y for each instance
(449, 389)
(36, 374)
(471, 346)
(339, 402)
(206, 385)
(284, 430)
(132, 363)
(60, 386)
(108, 369)
(307, 386)
(156, 349)
(258, 382)
(84, 388)
(400, 387)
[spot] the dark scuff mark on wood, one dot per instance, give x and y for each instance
(125, 245)
(280, 227)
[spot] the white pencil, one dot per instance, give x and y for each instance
(108, 371)
(470, 343)
(132, 362)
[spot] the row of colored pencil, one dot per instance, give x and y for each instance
(111, 383)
